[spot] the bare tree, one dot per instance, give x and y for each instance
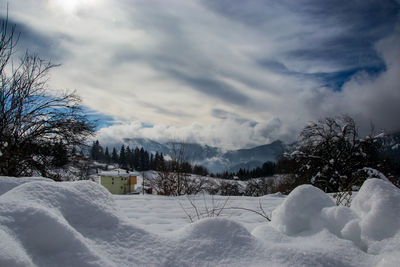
(195, 185)
(32, 119)
(177, 164)
(175, 177)
(164, 183)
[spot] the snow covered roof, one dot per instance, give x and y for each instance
(118, 173)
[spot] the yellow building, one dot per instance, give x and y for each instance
(119, 185)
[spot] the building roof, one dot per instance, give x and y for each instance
(118, 173)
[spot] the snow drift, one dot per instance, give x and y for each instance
(8, 183)
(78, 224)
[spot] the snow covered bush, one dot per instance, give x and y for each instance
(330, 153)
(229, 188)
(258, 187)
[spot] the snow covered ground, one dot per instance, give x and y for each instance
(43, 223)
(161, 214)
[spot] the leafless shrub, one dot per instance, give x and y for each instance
(229, 188)
(260, 212)
(343, 198)
(209, 210)
(257, 187)
(215, 209)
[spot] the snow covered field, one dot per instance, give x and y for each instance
(161, 215)
(44, 223)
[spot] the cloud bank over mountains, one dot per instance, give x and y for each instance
(226, 73)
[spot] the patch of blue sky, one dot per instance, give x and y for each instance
(102, 120)
(146, 125)
(336, 80)
(333, 80)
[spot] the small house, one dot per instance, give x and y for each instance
(119, 184)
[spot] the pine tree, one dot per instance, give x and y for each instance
(156, 161)
(162, 162)
(122, 158)
(114, 156)
(146, 164)
(129, 157)
(107, 156)
(94, 150)
(97, 152)
(142, 159)
(152, 165)
(136, 159)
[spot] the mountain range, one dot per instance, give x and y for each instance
(215, 159)
(218, 160)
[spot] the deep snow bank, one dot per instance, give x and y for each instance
(372, 221)
(378, 206)
(78, 224)
(38, 218)
(8, 183)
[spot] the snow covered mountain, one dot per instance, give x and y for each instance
(215, 159)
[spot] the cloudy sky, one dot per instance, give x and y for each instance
(228, 73)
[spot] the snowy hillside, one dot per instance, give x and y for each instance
(44, 223)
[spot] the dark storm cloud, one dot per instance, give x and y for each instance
(171, 111)
(212, 87)
(36, 42)
(274, 66)
(373, 19)
(355, 25)
(364, 23)
(221, 114)
(176, 68)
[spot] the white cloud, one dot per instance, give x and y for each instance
(229, 133)
(172, 63)
(376, 98)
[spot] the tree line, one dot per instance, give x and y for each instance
(268, 169)
(127, 158)
(141, 160)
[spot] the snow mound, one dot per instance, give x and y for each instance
(47, 223)
(372, 223)
(297, 213)
(215, 229)
(378, 206)
(8, 183)
(212, 242)
(78, 224)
